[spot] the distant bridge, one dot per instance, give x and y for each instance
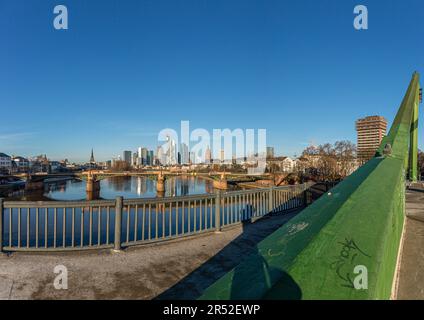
(219, 179)
(36, 181)
(106, 173)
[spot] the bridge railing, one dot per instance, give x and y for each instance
(81, 225)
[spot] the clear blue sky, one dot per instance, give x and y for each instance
(126, 69)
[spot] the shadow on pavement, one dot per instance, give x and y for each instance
(192, 286)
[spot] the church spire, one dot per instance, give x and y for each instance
(92, 157)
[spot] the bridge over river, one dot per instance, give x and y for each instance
(297, 248)
(220, 180)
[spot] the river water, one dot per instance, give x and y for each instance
(110, 188)
(82, 226)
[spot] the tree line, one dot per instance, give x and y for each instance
(327, 162)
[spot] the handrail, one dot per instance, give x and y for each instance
(55, 204)
(93, 224)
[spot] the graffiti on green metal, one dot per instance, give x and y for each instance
(346, 261)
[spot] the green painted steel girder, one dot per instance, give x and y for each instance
(404, 130)
(325, 251)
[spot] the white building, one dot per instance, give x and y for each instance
(55, 166)
(288, 165)
(284, 164)
(5, 163)
(21, 164)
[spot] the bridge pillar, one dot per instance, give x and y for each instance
(93, 195)
(32, 185)
(160, 185)
(221, 184)
(93, 185)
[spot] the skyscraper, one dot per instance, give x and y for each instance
(208, 155)
(127, 157)
(150, 157)
(371, 131)
(134, 160)
(160, 156)
(184, 154)
(192, 158)
(171, 152)
(269, 152)
(143, 156)
(139, 156)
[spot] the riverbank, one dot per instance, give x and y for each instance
(10, 185)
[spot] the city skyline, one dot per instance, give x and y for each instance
(112, 83)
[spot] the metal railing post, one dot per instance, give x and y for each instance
(1, 225)
(218, 212)
(305, 195)
(118, 222)
(271, 200)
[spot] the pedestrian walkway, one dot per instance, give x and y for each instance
(411, 272)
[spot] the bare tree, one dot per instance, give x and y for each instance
(121, 166)
(346, 157)
(329, 162)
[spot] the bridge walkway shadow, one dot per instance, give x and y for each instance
(193, 285)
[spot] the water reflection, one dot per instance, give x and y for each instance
(128, 187)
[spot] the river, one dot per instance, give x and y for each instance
(110, 188)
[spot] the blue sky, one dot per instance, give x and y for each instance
(124, 70)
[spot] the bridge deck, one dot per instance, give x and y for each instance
(175, 270)
(411, 272)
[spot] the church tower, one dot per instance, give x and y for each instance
(92, 161)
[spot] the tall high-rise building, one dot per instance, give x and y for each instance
(371, 131)
(184, 154)
(127, 157)
(192, 158)
(269, 152)
(134, 159)
(171, 152)
(208, 155)
(139, 156)
(142, 156)
(150, 157)
(160, 155)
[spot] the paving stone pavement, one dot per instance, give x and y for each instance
(411, 269)
(174, 270)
